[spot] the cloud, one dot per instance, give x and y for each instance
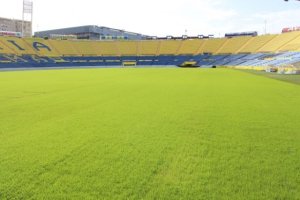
(158, 17)
(281, 19)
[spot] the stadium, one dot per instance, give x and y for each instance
(92, 112)
(248, 52)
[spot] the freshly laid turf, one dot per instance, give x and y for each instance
(148, 134)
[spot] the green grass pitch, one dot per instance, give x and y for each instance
(148, 134)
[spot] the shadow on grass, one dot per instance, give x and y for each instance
(282, 77)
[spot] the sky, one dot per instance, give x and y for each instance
(162, 17)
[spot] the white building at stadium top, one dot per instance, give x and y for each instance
(15, 25)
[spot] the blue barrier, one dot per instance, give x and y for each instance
(260, 59)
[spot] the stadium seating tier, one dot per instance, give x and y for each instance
(266, 50)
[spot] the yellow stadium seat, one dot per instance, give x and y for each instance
(278, 42)
(85, 48)
(213, 45)
(189, 47)
(42, 47)
(256, 43)
(64, 47)
(58, 48)
(17, 45)
(106, 48)
(148, 47)
(293, 45)
(169, 47)
(4, 49)
(201, 48)
(127, 48)
(233, 45)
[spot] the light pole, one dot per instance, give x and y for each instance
(27, 9)
(266, 22)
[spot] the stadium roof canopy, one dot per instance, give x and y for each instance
(92, 32)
